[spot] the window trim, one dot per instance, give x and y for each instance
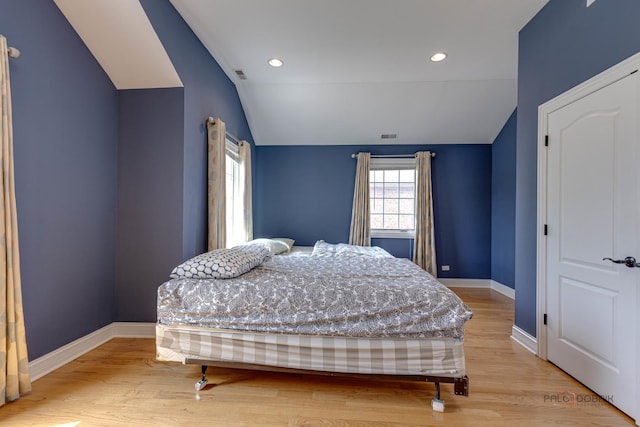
(233, 154)
(395, 163)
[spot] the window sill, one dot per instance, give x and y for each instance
(392, 234)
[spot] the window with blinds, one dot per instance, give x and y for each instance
(392, 197)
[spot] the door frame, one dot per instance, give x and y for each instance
(607, 77)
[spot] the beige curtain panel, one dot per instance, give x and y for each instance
(14, 379)
(216, 184)
(424, 250)
(360, 233)
(244, 160)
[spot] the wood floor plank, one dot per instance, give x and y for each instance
(121, 384)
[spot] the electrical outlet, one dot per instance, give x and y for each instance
(445, 268)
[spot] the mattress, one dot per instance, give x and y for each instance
(435, 356)
(331, 296)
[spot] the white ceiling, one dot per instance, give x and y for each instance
(359, 68)
(353, 69)
(121, 38)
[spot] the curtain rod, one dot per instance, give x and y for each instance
(13, 52)
(353, 156)
(227, 134)
(233, 138)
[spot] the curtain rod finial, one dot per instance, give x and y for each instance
(14, 53)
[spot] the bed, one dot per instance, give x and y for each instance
(327, 309)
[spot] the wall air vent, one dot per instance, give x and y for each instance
(389, 136)
(240, 74)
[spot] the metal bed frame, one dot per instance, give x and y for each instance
(460, 384)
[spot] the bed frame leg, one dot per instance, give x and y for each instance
(461, 386)
(437, 404)
(203, 380)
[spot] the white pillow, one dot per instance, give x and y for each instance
(275, 246)
(222, 263)
(288, 242)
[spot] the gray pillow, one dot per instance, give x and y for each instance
(222, 263)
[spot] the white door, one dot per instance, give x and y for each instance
(593, 212)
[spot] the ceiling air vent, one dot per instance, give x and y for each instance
(389, 136)
(240, 74)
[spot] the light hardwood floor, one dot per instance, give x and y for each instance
(120, 384)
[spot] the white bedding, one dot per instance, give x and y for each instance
(299, 251)
(322, 248)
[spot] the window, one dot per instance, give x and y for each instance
(235, 223)
(392, 197)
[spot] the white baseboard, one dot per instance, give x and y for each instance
(517, 334)
(65, 354)
(503, 289)
(524, 339)
(466, 283)
(133, 330)
(480, 283)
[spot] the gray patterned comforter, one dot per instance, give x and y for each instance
(336, 296)
(322, 248)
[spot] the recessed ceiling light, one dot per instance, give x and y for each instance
(275, 62)
(438, 56)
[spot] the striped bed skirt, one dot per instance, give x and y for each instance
(381, 356)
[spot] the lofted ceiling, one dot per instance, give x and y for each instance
(356, 69)
(353, 69)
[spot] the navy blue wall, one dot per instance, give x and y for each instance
(65, 142)
(503, 204)
(163, 159)
(565, 44)
(207, 92)
(149, 197)
(306, 192)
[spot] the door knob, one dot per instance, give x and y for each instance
(628, 261)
